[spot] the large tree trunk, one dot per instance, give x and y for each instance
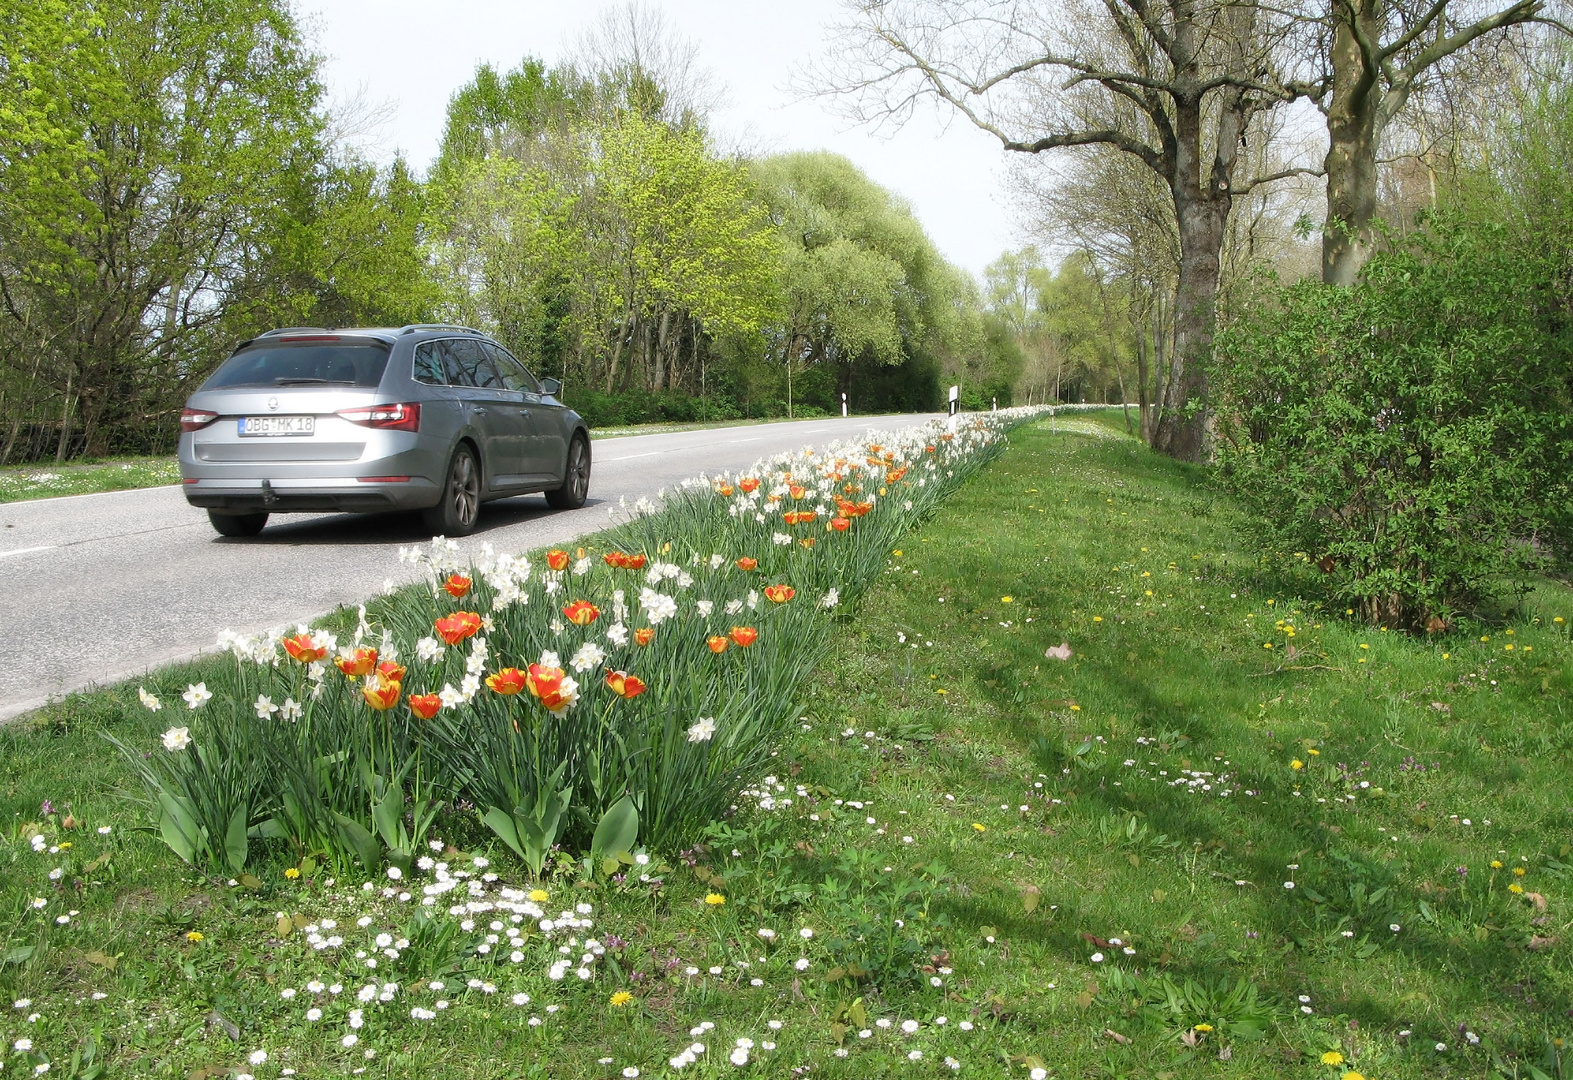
(1353, 132)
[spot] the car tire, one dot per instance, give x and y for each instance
(238, 524)
(576, 477)
(460, 507)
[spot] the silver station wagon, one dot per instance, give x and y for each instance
(427, 417)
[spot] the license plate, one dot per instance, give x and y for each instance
(278, 425)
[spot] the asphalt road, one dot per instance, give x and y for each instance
(99, 588)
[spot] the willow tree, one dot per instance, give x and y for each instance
(1175, 84)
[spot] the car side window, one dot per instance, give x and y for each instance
(468, 365)
(514, 375)
(428, 365)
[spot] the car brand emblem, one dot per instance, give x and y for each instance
(273, 403)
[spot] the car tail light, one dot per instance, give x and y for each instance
(401, 417)
(196, 419)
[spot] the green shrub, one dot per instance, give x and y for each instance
(1407, 437)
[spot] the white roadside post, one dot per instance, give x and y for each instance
(955, 403)
(843, 404)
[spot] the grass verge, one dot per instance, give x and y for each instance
(120, 474)
(972, 827)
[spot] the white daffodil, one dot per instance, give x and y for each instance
(290, 710)
(176, 738)
(658, 607)
(588, 658)
(197, 695)
(151, 703)
(702, 730)
(428, 649)
(265, 707)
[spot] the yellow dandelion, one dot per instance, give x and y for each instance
(1203, 1028)
(1097, 618)
(1007, 599)
(1557, 620)
(539, 896)
(1519, 871)
(1352, 1076)
(1297, 764)
(1332, 1057)
(194, 936)
(621, 998)
(979, 828)
(896, 553)
(1313, 751)
(292, 873)
(714, 899)
(1496, 864)
(1515, 888)
(1363, 645)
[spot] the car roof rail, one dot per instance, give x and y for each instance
(413, 327)
(293, 330)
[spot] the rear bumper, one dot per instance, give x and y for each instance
(300, 496)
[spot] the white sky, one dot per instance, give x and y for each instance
(413, 54)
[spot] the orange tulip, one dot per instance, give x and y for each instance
(840, 524)
(625, 685)
(424, 706)
(458, 626)
(581, 613)
(551, 685)
(930, 449)
(779, 594)
(875, 448)
(557, 560)
(391, 670)
(615, 558)
(797, 491)
(457, 585)
(895, 474)
(946, 438)
(507, 682)
(798, 517)
(724, 490)
(644, 636)
(380, 694)
(363, 662)
(807, 541)
(747, 564)
(744, 636)
(635, 562)
(749, 484)
(302, 648)
(717, 644)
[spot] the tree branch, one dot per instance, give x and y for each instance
(1282, 174)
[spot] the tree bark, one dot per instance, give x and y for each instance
(1353, 133)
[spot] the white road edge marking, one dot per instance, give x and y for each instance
(630, 457)
(24, 551)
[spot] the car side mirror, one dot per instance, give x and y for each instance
(551, 387)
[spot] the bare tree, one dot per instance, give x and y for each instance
(1048, 76)
(1378, 54)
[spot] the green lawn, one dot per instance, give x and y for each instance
(1082, 864)
(47, 481)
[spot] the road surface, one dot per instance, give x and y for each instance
(99, 588)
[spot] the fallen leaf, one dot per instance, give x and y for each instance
(1062, 651)
(1537, 899)
(1117, 1037)
(1096, 940)
(1539, 944)
(285, 925)
(1442, 707)
(250, 881)
(1189, 1038)
(1031, 896)
(102, 959)
(219, 1020)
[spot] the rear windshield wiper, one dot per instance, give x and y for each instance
(309, 381)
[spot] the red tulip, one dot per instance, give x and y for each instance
(581, 613)
(363, 662)
(507, 682)
(779, 594)
(717, 644)
(744, 636)
(895, 474)
(552, 686)
(391, 670)
(840, 524)
(424, 706)
(746, 564)
(615, 558)
(302, 648)
(644, 636)
(625, 685)
(748, 484)
(635, 562)
(457, 585)
(380, 694)
(557, 560)
(458, 626)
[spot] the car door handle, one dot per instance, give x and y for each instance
(480, 412)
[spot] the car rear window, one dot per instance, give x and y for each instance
(336, 361)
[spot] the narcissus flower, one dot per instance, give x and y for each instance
(304, 648)
(457, 585)
(391, 670)
(557, 560)
(840, 524)
(507, 682)
(360, 662)
(625, 685)
(581, 613)
(747, 564)
(556, 690)
(717, 643)
(381, 694)
(743, 636)
(779, 594)
(458, 626)
(176, 738)
(702, 730)
(424, 706)
(644, 635)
